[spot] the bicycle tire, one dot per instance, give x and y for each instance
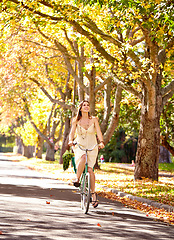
(86, 193)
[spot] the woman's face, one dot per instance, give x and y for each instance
(85, 107)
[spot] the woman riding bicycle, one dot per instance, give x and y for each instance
(86, 127)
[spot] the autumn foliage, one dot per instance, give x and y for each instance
(57, 53)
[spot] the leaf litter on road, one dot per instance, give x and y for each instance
(153, 212)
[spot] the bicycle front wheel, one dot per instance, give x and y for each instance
(86, 193)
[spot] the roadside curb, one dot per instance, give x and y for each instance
(139, 199)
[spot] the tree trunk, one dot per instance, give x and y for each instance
(164, 155)
(92, 87)
(148, 149)
(115, 115)
(96, 166)
(107, 107)
(28, 151)
(50, 153)
(65, 139)
(39, 147)
(165, 144)
(80, 75)
(18, 145)
(147, 155)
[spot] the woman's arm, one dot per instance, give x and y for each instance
(99, 133)
(72, 131)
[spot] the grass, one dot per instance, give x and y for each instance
(167, 167)
(123, 180)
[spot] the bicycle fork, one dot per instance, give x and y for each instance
(83, 183)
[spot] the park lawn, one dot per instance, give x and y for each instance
(121, 177)
(166, 167)
(114, 175)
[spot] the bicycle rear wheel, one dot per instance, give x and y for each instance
(86, 193)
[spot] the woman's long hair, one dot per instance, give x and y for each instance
(79, 113)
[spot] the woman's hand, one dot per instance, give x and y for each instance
(71, 143)
(101, 145)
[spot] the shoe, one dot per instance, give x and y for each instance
(94, 203)
(76, 183)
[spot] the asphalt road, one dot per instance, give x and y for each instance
(25, 214)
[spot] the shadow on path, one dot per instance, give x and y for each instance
(25, 215)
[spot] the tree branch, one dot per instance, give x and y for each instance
(165, 144)
(34, 125)
(71, 44)
(92, 26)
(38, 12)
(136, 41)
(170, 43)
(94, 41)
(101, 85)
(78, 58)
(41, 45)
(167, 97)
(168, 88)
(62, 104)
(127, 88)
(67, 58)
(60, 132)
(53, 83)
(49, 119)
(69, 65)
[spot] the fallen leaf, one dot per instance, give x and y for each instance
(98, 224)
(1, 232)
(112, 213)
(160, 214)
(47, 202)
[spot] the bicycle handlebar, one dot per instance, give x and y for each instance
(85, 149)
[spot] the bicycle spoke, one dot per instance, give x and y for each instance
(85, 194)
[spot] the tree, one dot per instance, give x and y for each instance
(167, 127)
(86, 67)
(134, 42)
(17, 66)
(143, 34)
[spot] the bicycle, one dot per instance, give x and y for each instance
(85, 183)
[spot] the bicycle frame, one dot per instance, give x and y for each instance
(85, 171)
(85, 182)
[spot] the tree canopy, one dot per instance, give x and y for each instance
(104, 46)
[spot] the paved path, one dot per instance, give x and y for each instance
(24, 214)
